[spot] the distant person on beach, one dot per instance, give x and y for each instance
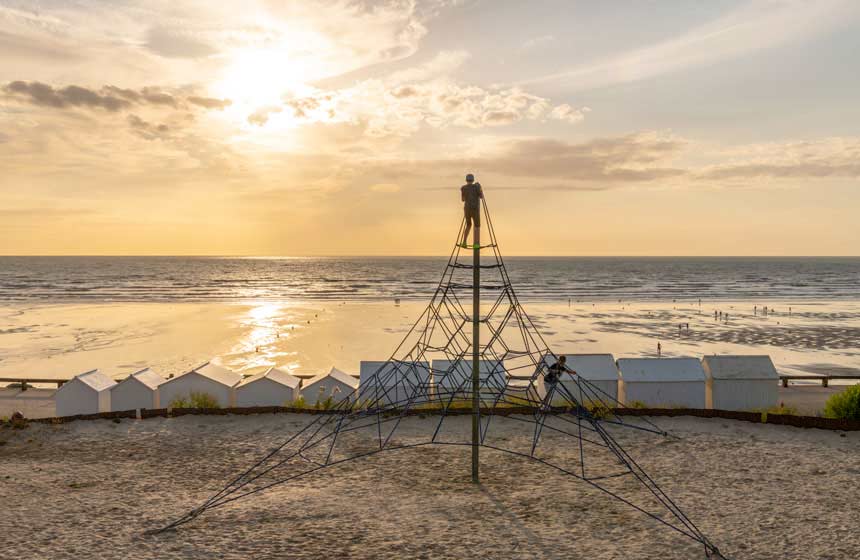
(471, 195)
(555, 371)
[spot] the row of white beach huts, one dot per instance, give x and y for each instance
(719, 382)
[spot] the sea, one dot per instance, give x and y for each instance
(180, 279)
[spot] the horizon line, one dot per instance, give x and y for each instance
(366, 256)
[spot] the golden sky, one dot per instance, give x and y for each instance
(336, 127)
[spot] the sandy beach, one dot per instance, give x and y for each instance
(92, 488)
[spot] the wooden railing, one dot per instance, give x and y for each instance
(27, 381)
(825, 379)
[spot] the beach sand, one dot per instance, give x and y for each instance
(90, 489)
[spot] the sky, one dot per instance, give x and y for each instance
(337, 127)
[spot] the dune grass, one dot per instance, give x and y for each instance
(844, 405)
(297, 403)
(195, 400)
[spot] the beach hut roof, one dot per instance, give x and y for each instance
(146, 376)
(415, 371)
(338, 375)
(216, 373)
(465, 366)
(596, 367)
(661, 369)
(740, 367)
(96, 380)
(275, 374)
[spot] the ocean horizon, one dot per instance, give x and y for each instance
(205, 278)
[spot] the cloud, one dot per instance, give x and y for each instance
(209, 102)
(751, 27)
(261, 115)
(174, 43)
(44, 95)
(109, 98)
(565, 112)
(147, 95)
(147, 130)
(632, 158)
(597, 164)
(20, 46)
(399, 103)
(400, 109)
(404, 91)
(825, 158)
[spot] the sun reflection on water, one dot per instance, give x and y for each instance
(268, 326)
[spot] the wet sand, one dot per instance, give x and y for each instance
(311, 337)
(62, 340)
(90, 489)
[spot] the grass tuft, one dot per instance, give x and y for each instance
(297, 403)
(195, 400)
(636, 404)
(781, 409)
(844, 405)
(326, 404)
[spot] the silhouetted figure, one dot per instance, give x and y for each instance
(471, 194)
(554, 372)
(659, 350)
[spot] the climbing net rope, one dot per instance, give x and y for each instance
(430, 372)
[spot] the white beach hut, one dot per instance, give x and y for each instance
(394, 382)
(138, 390)
(335, 384)
(87, 393)
(662, 382)
(273, 387)
(452, 378)
(599, 370)
(740, 382)
(213, 380)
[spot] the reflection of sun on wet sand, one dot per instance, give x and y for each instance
(310, 337)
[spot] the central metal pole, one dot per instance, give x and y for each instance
(476, 350)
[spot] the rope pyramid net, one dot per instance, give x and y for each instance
(432, 372)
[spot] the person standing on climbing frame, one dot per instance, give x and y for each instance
(471, 194)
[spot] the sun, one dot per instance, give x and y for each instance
(258, 78)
